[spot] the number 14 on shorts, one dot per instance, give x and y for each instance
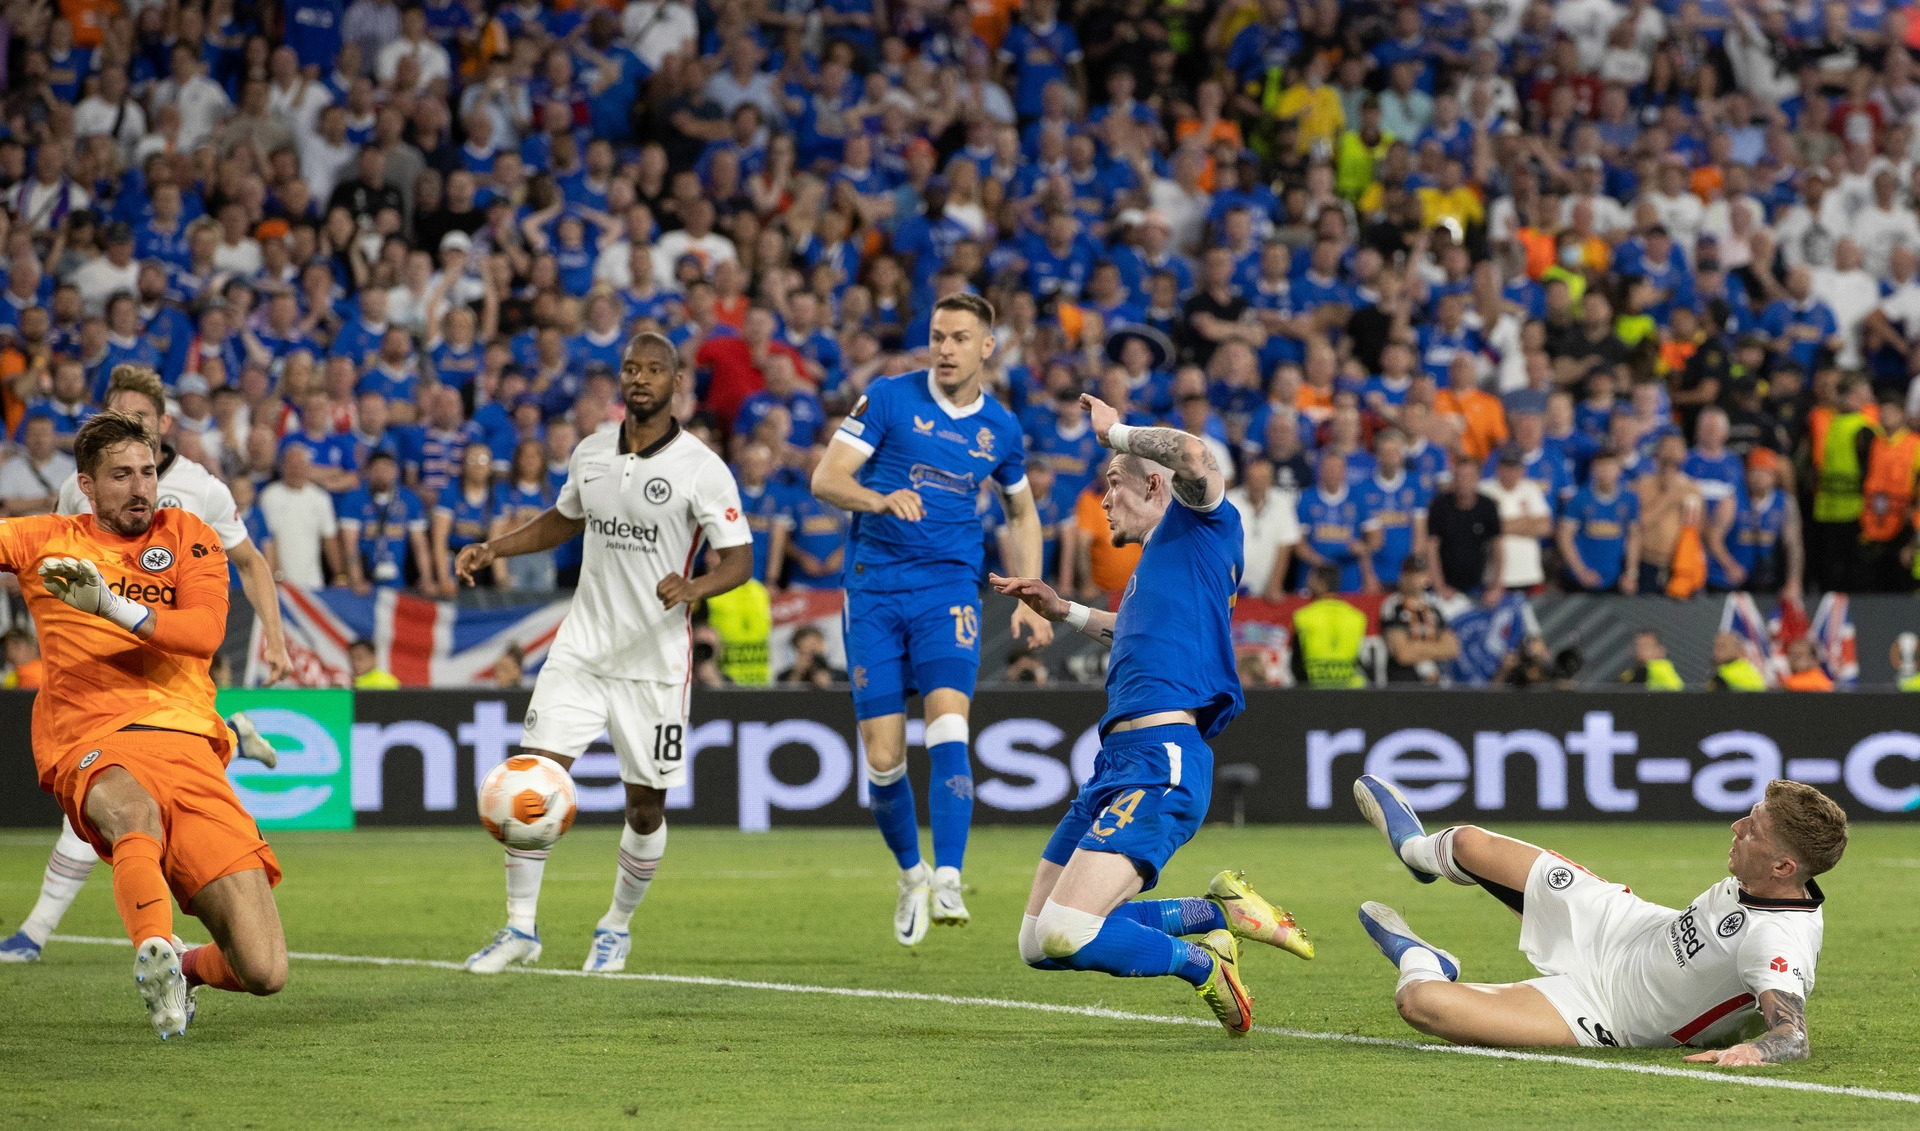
(1121, 809)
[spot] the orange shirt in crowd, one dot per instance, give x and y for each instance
(1484, 420)
(992, 19)
(27, 676)
(99, 678)
(1111, 565)
(1813, 679)
(89, 19)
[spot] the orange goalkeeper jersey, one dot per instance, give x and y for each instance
(100, 677)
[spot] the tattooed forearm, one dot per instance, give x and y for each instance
(1191, 461)
(1786, 1036)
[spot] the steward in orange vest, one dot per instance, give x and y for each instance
(1886, 520)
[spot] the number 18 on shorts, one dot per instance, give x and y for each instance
(647, 722)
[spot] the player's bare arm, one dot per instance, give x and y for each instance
(256, 581)
(1039, 597)
(1026, 545)
(732, 571)
(834, 482)
(1197, 478)
(1784, 1040)
(544, 532)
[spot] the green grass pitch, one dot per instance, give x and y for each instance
(357, 1045)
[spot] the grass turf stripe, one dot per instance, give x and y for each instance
(1104, 1014)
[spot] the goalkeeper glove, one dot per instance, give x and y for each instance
(77, 581)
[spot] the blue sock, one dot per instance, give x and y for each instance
(893, 812)
(950, 802)
(1174, 917)
(1127, 949)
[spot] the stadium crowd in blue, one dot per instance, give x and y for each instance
(1582, 295)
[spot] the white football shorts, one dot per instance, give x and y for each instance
(646, 720)
(1575, 926)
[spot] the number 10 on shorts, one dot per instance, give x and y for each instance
(666, 742)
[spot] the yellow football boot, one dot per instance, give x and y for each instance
(1251, 917)
(1223, 991)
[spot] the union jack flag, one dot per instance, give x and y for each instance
(1832, 636)
(423, 643)
(1741, 617)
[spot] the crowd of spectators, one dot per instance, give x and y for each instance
(1586, 295)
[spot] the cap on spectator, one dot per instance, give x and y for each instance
(1157, 343)
(1761, 457)
(1130, 218)
(1512, 456)
(1750, 342)
(119, 232)
(274, 229)
(456, 240)
(1590, 161)
(1508, 128)
(191, 383)
(524, 400)
(1659, 230)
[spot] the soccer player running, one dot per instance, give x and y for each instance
(130, 603)
(648, 495)
(1615, 969)
(1171, 686)
(909, 461)
(185, 484)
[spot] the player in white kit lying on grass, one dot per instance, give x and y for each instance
(1616, 969)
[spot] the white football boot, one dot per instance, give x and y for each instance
(509, 945)
(914, 912)
(251, 744)
(608, 954)
(949, 909)
(162, 984)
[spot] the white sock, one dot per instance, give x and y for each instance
(1417, 965)
(1434, 854)
(524, 870)
(918, 874)
(1030, 952)
(67, 871)
(946, 877)
(639, 855)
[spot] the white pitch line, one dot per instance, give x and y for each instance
(1105, 1014)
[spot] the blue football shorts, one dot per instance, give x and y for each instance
(916, 640)
(1148, 795)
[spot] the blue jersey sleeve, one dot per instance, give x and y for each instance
(865, 427)
(1011, 472)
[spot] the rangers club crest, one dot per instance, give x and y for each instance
(154, 559)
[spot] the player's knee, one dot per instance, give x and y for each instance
(263, 975)
(1420, 1006)
(945, 729)
(646, 815)
(1063, 931)
(131, 814)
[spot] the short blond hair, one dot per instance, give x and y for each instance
(138, 379)
(1808, 824)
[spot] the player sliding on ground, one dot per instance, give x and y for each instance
(909, 462)
(184, 484)
(647, 494)
(130, 603)
(1171, 685)
(1616, 969)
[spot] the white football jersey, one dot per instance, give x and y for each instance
(1694, 979)
(184, 484)
(648, 516)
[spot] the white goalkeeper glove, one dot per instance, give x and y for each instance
(77, 581)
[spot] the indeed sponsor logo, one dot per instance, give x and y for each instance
(1434, 769)
(646, 534)
(145, 592)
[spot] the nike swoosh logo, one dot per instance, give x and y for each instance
(144, 906)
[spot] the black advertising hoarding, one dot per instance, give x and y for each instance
(791, 758)
(763, 758)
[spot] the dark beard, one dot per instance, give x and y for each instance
(126, 526)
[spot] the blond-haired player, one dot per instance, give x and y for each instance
(1617, 970)
(130, 603)
(185, 484)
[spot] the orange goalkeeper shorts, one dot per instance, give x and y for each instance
(205, 832)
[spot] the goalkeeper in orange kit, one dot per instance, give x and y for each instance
(131, 604)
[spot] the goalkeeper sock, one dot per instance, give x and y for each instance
(1434, 854)
(67, 871)
(891, 795)
(1418, 964)
(140, 888)
(950, 790)
(524, 869)
(639, 855)
(207, 966)
(1174, 917)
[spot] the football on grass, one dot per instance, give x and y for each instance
(527, 802)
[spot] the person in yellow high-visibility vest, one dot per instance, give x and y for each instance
(1327, 634)
(1841, 444)
(1732, 671)
(1651, 665)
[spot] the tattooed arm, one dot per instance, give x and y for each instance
(1198, 480)
(1785, 1038)
(1040, 597)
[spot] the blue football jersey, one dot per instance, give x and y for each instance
(916, 439)
(1173, 637)
(1392, 508)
